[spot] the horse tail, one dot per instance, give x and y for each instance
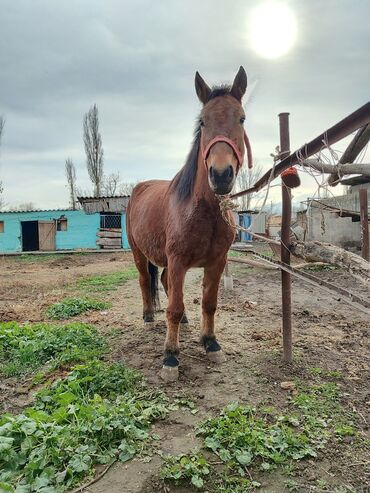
(153, 271)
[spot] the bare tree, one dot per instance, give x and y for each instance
(111, 184)
(1, 195)
(246, 179)
(2, 123)
(126, 188)
(93, 148)
(25, 206)
(71, 180)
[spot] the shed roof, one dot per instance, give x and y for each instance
(317, 204)
(355, 180)
(102, 197)
(114, 203)
(36, 210)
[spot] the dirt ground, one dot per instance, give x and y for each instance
(328, 334)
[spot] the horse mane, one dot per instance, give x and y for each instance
(183, 183)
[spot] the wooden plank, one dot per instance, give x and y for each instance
(109, 241)
(108, 234)
(252, 263)
(47, 231)
(359, 141)
(117, 230)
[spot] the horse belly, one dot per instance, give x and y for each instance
(147, 221)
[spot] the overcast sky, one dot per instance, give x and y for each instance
(136, 60)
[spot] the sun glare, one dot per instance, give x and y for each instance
(272, 29)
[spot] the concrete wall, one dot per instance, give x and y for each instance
(330, 228)
(259, 223)
(81, 229)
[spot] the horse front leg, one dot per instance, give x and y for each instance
(211, 281)
(175, 311)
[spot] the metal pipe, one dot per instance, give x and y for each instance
(286, 280)
(364, 218)
(352, 122)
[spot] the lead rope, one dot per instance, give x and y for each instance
(226, 205)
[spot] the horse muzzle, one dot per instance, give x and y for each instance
(221, 181)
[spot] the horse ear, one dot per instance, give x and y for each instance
(202, 89)
(239, 84)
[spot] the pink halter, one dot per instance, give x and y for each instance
(239, 155)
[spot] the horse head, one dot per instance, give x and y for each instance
(222, 131)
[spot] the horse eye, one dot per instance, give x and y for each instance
(242, 120)
(201, 123)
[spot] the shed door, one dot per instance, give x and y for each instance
(46, 235)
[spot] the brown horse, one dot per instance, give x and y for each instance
(178, 224)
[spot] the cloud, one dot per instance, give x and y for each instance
(137, 61)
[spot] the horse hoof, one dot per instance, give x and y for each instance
(184, 322)
(216, 356)
(170, 373)
(149, 325)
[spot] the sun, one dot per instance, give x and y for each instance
(272, 29)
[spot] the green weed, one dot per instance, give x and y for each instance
(70, 307)
(246, 439)
(107, 282)
(193, 468)
(232, 484)
(334, 374)
(24, 348)
(98, 414)
(240, 438)
(291, 485)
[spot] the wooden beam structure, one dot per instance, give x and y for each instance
(356, 145)
(339, 169)
(340, 130)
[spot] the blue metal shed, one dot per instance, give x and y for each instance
(245, 220)
(48, 230)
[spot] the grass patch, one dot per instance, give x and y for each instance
(107, 282)
(45, 257)
(320, 372)
(98, 414)
(248, 440)
(70, 307)
(233, 253)
(25, 348)
(268, 253)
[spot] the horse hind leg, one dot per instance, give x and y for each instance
(184, 322)
(148, 279)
